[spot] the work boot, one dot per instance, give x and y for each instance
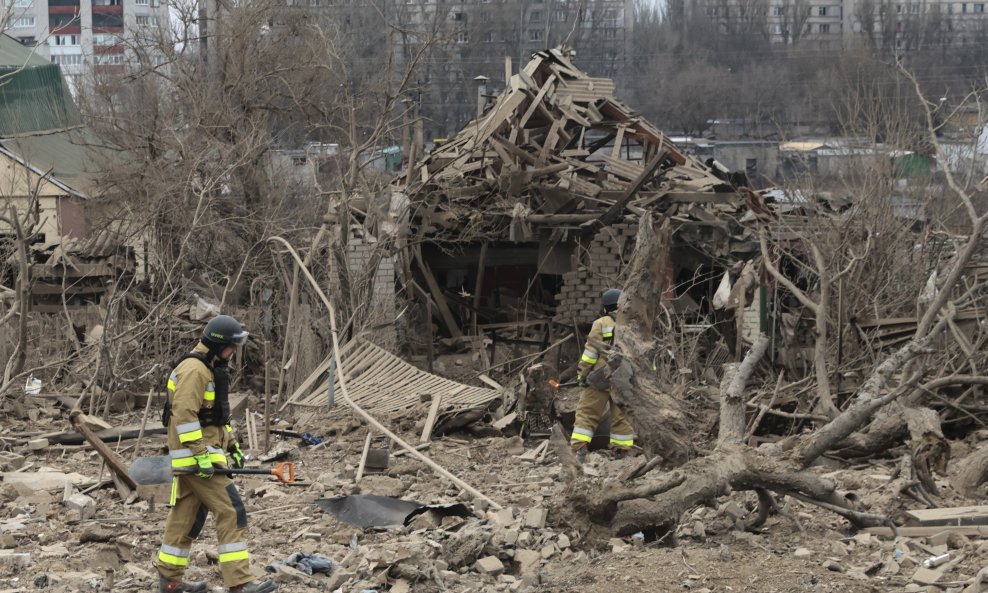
(620, 453)
(255, 587)
(166, 586)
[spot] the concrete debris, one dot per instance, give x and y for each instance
(62, 533)
(490, 565)
(82, 504)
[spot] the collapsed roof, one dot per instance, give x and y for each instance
(556, 148)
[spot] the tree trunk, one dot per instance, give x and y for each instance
(658, 418)
(972, 472)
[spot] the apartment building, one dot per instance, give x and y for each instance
(903, 23)
(85, 36)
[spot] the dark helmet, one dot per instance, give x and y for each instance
(610, 298)
(223, 330)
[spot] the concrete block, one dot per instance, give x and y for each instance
(490, 565)
(82, 503)
(15, 559)
(505, 516)
(535, 518)
(528, 561)
(10, 461)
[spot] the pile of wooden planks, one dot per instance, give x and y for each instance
(556, 149)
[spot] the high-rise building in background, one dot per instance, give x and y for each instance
(902, 24)
(85, 36)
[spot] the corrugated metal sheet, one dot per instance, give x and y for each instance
(382, 383)
(33, 94)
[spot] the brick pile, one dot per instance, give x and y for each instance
(595, 268)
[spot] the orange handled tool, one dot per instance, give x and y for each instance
(557, 385)
(278, 472)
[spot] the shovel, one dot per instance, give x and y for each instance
(158, 470)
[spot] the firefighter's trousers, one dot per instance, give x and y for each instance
(196, 497)
(593, 403)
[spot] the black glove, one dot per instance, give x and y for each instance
(236, 455)
(581, 381)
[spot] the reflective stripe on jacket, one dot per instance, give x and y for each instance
(602, 331)
(190, 389)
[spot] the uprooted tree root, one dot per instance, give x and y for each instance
(654, 506)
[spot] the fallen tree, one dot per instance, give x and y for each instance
(655, 505)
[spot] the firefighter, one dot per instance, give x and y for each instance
(197, 414)
(594, 400)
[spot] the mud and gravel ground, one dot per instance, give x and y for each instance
(808, 549)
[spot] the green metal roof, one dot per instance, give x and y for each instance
(41, 124)
(74, 157)
(14, 53)
(33, 94)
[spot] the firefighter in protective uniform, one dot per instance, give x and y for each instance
(594, 401)
(197, 415)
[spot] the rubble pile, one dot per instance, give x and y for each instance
(64, 527)
(555, 148)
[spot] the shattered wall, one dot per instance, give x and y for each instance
(596, 267)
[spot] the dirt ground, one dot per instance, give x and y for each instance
(808, 549)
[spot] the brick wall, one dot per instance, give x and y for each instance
(596, 267)
(382, 306)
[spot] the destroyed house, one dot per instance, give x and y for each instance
(49, 170)
(530, 212)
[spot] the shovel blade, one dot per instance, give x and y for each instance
(148, 471)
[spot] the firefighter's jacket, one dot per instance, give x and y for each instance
(602, 332)
(191, 391)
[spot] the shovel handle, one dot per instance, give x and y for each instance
(557, 385)
(279, 471)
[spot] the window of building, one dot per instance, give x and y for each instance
(776, 29)
(23, 3)
(535, 16)
(158, 60)
(57, 21)
(712, 11)
(979, 8)
(485, 17)
(109, 59)
(105, 39)
(107, 20)
(462, 37)
(535, 34)
(144, 19)
(67, 59)
(821, 10)
(778, 11)
(489, 37)
(141, 2)
(559, 16)
(964, 7)
(24, 22)
(825, 27)
(898, 9)
(458, 16)
(28, 41)
(609, 33)
(64, 40)
(914, 8)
